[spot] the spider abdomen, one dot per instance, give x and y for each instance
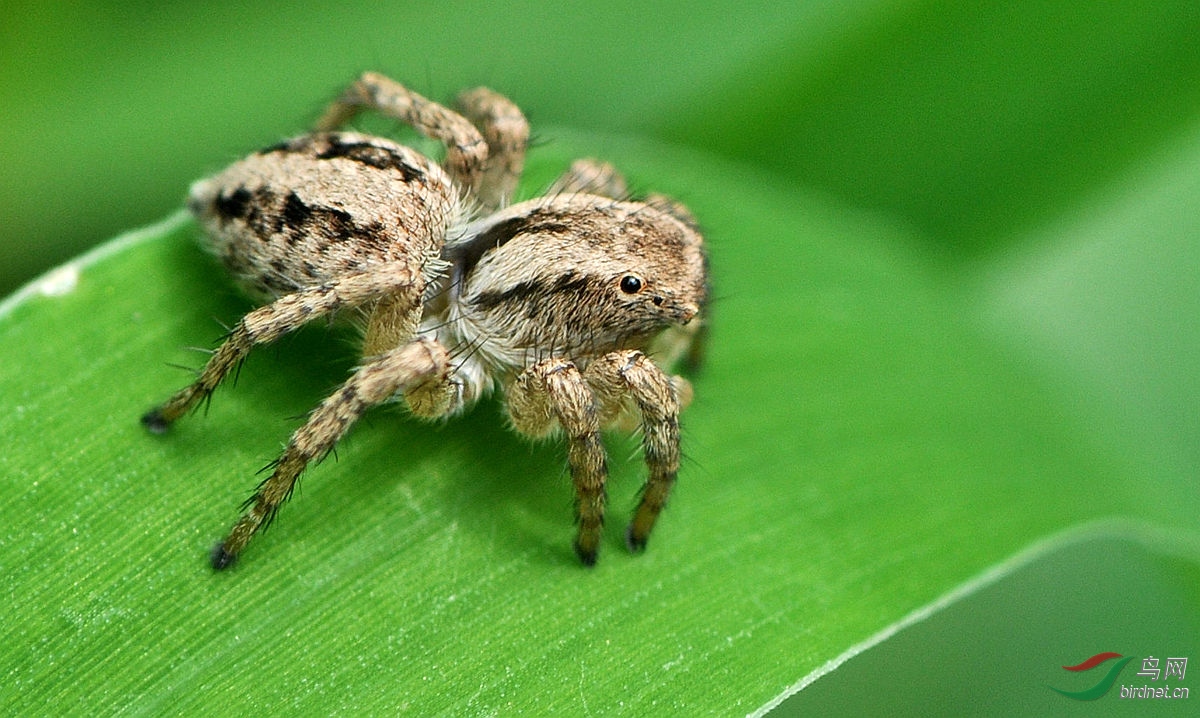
(322, 206)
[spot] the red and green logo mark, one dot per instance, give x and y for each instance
(1104, 684)
(1151, 672)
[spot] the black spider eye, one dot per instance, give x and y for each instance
(631, 284)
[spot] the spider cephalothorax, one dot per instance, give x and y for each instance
(568, 303)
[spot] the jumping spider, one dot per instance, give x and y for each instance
(560, 300)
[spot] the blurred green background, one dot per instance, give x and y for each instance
(969, 121)
(1044, 157)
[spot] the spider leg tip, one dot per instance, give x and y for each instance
(155, 422)
(222, 559)
(587, 556)
(636, 544)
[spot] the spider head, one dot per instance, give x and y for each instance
(579, 275)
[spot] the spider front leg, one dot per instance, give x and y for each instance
(506, 131)
(554, 392)
(400, 283)
(466, 149)
(588, 176)
(630, 373)
(413, 365)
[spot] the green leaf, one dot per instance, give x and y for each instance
(864, 439)
(1000, 646)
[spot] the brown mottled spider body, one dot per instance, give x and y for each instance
(568, 302)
